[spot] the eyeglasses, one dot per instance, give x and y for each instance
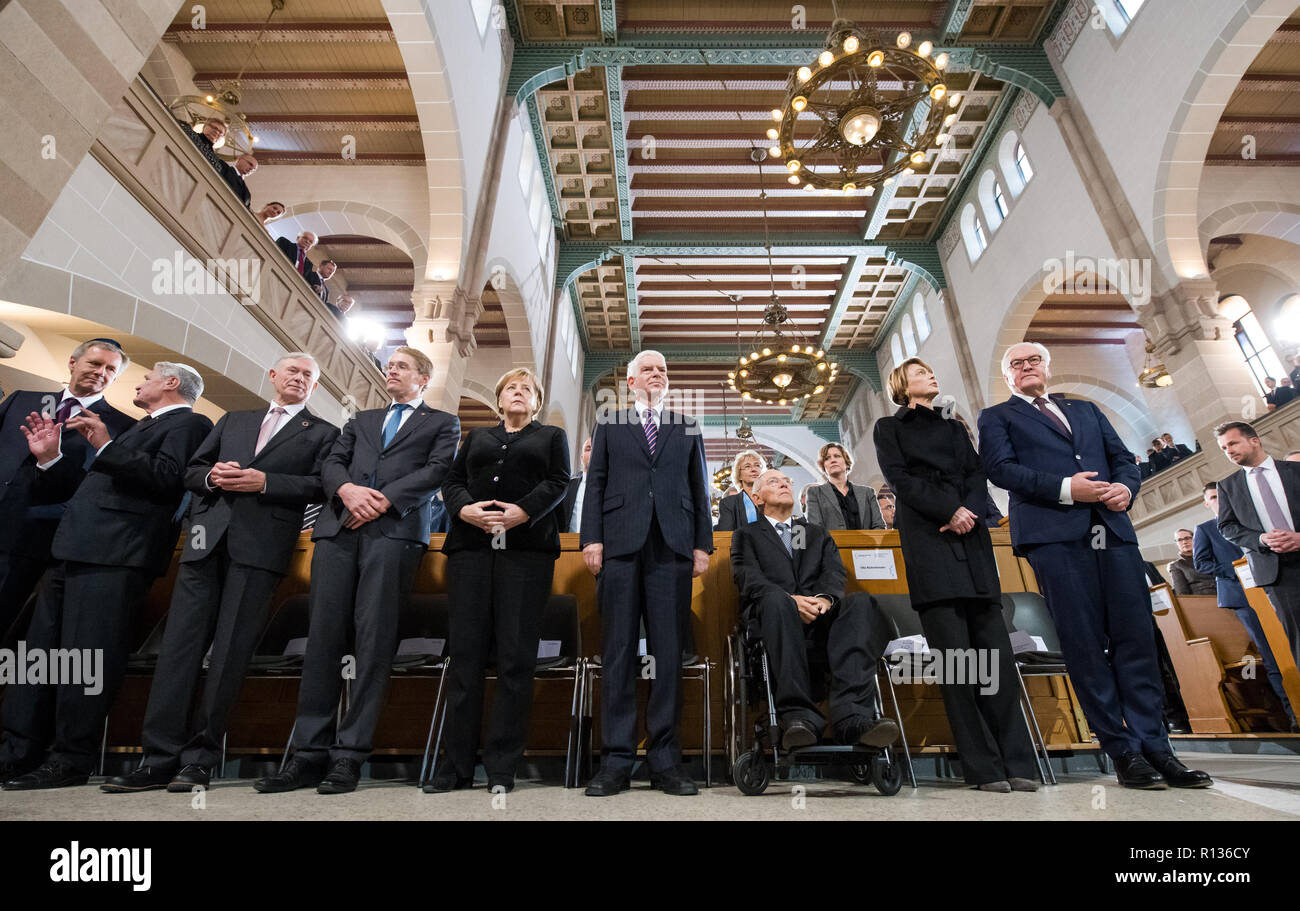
(1021, 362)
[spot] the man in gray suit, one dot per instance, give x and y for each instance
(251, 478)
(379, 481)
(838, 504)
(1259, 511)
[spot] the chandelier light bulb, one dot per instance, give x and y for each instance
(753, 355)
(799, 103)
(870, 191)
(950, 119)
(767, 352)
(954, 100)
(772, 134)
(851, 44)
(941, 62)
(904, 39)
(776, 113)
(937, 91)
(774, 151)
(804, 73)
(821, 366)
(918, 157)
(826, 58)
(875, 58)
(780, 358)
(887, 181)
(819, 390)
(782, 379)
(743, 362)
(942, 139)
(744, 373)
(782, 401)
(794, 348)
(924, 48)
(820, 353)
(860, 125)
(850, 187)
(744, 395)
(794, 165)
(209, 99)
(793, 179)
(808, 188)
(907, 172)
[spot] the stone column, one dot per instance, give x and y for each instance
(1197, 346)
(445, 316)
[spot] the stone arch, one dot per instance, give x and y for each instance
(1124, 408)
(479, 392)
(348, 217)
(1175, 232)
(417, 38)
(501, 278)
(1266, 217)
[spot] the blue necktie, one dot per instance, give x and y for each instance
(393, 423)
(787, 537)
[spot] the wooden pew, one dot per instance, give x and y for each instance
(1278, 643)
(1199, 670)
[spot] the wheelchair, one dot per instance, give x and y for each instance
(754, 753)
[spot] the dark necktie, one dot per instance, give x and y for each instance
(1276, 517)
(1041, 404)
(393, 423)
(65, 410)
(787, 538)
(302, 258)
(651, 430)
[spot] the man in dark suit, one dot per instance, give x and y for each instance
(1259, 511)
(1071, 483)
(251, 480)
(296, 253)
(379, 480)
(117, 535)
(574, 495)
(1215, 555)
(646, 531)
(1178, 450)
(324, 272)
(791, 583)
(28, 529)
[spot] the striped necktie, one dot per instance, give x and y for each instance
(651, 429)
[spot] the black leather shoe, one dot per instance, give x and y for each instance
(1133, 771)
(342, 778)
(501, 784)
(297, 773)
(673, 781)
(145, 778)
(607, 783)
(11, 768)
(880, 732)
(799, 734)
(188, 778)
(1177, 774)
(446, 779)
(50, 774)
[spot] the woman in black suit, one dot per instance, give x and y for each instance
(951, 575)
(739, 509)
(506, 481)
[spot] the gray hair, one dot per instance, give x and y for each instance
(299, 356)
(1006, 358)
(190, 385)
(634, 364)
(106, 345)
(742, 456)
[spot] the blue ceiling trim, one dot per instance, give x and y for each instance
(544, 161)
(608, 22)
(633, 311)
(614, 98)
(843, 295)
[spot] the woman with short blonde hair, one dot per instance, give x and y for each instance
(739, 508)
(521, 373)
(839, 504)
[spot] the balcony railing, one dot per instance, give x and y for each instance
(144, 148)
(1178, 487)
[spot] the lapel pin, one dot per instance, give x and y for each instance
(306, 423)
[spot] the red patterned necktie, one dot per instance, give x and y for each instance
(1041, 404)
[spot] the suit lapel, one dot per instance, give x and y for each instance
(1020, 404)
(634, 420)
(296, 424)
(1244, 504)
(797, 556)
(416, 419)
(1291, 487)
(668, 424)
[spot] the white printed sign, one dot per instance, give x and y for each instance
(874, 564)
(1245, 576)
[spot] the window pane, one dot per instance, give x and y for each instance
(980, 240)
(1129, 7)
(1247, 349)
(1272, 365)
(1001, 200)
(1254, 331)
(1022, 163)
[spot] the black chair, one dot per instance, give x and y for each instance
(897, 610)
(560, 633)
(1027, 612)
(283, 645)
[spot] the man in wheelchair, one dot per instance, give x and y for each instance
(791, 583)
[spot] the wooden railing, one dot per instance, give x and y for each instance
(144, 148)
(1179, 487)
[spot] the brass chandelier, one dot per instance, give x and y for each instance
(859, 94)
(1154, 375)
(780, 369)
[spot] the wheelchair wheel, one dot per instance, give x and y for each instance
(861, 773)
(887, 774)
(750, 773)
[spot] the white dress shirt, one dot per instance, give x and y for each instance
(642, 408)
(85, 401)
(790, 522)
(290, 412)
(405, 416)
(1274, 480)
(1065, 498)
(575, 523)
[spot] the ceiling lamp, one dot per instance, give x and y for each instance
(847, 116)
(1154, 375)
(196, 110)
(779, 367)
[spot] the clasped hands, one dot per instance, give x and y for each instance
(229, 476)
(962, 521)
(1281, 541)
(364, 504)
(1083, 489)
(810, 607)
(491, 515)
(44, 434)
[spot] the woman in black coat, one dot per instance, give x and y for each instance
(952, 578)
(501, 494)
(739, 508)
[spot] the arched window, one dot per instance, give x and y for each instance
(527, 161)
(482, 14)
(922, 318)
(992, 214)
(1022, 163)
(896, 350)
(1129, 8)
(972, 232)
(1000, 200)
(909, 337)
(1255, 346)
(1011, 176)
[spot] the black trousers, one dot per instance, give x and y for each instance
(360, 582)
(849, 638)
(1284, 595)
(989, 728)
(655, 583)
(87, 607)
(20, 572)
(497, 599)
(216, 602)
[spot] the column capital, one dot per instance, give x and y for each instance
(1189, 312)
(449, 312)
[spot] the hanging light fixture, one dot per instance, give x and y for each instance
(780, 368)
(1154, 375)
(859, 132)
(223, 102)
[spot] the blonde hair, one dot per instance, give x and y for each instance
(742, 456)
(898, 380)
(521, 373)
(821, 457)
(422, 362)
